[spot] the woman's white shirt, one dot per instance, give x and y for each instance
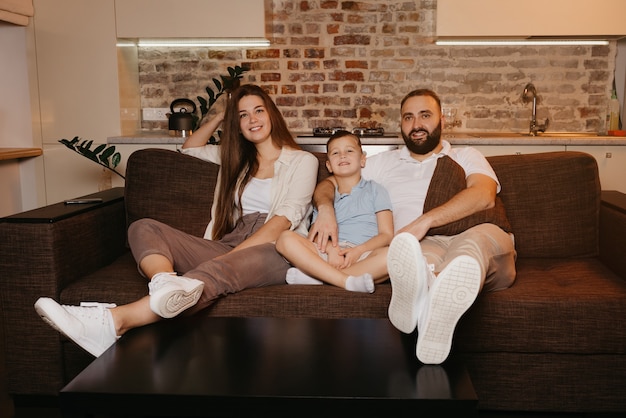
(256, 196)
(291, 191)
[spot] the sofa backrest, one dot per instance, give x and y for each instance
(171, 187)
(552, 199)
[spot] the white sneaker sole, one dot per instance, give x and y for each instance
(450, 296)
(168, 303)
(405, 263)
(58, 318)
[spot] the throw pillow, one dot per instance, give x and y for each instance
(448, 180)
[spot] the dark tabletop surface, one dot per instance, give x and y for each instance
(243, 366)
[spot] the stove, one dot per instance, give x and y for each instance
(321, 132)
(374, 140)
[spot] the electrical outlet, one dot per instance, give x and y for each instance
(155, 113)
(129, 113)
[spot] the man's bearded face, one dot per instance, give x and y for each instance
(419, 144)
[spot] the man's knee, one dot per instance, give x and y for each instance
(492, 236)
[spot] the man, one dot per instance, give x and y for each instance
(434, 279)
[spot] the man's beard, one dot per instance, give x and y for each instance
(425, 146)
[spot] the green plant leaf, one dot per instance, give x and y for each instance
(218, 85)
(204, 108)
(103, 155)
(116, 159)
(85, 145)
(67, 143)
(99, 148)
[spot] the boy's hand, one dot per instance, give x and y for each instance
(334, 259)
(350, 256)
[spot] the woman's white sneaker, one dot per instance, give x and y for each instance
(89, 325)
(171, 294)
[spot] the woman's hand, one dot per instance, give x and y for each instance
(204, 133)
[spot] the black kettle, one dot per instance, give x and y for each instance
(181, 119)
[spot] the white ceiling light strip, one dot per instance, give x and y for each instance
(201, 42)
(518, 42)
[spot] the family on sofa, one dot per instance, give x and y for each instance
(446, 248)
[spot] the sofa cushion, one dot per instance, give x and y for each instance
(183, 204)
(448, 180)
(121, 283)
(556, 305)
(552, 201)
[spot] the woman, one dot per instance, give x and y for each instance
(265, 185)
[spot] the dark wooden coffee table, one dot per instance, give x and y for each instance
(249, 367)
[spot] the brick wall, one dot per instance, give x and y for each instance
(349, 63)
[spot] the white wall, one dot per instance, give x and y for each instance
(19, 180)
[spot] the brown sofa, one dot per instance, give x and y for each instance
(554, 341)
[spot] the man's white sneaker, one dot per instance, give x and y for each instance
(452, 293)
(171, 294)
(89, 325)
(409, 274)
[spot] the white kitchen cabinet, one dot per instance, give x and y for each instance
(78, 88)
(191, 18)
(611, 164)
(528, 18)
(489, 150)
(77, 69)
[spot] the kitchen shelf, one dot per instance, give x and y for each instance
(16, 153)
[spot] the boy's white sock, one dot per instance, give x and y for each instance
(363, 283)
(295, 276)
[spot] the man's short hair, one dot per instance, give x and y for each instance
(421, 92)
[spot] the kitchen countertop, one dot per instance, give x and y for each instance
(146, 137)
(455, 138)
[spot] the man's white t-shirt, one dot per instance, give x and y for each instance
(407, 179)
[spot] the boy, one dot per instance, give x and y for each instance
(365, 224)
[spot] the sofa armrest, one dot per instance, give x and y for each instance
(42, 251)
(613, 231)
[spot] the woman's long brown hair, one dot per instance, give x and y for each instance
(239, 156)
